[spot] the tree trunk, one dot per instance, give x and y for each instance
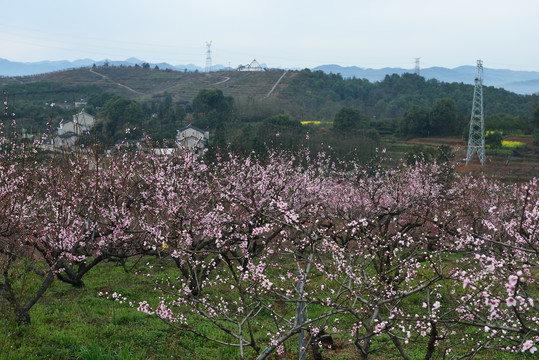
(432, 341)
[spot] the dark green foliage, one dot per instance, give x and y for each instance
(349, 118)
(118, 117)
(314, 94)
(99, 100)
(373, 135)
(283, 121)
(443, 118)
(494, 139)
(219, 137)
(211, 107)
(508, 124)
(415, 122)
(535, 121)
(179, 113)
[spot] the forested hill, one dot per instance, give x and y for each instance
(305, 95)
(520, 82)
(317, 95)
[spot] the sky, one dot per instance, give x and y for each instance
(278, 33)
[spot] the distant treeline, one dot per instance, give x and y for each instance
(396, 94)
(345, 114)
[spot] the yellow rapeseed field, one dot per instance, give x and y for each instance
(511, 144)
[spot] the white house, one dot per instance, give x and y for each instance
(163, 151)
(81, 104)
(192, 138)
(68, 132)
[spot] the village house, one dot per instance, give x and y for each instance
(164, 151)
(80, 104)
(192, 138)
(69, 132)
(64, 105)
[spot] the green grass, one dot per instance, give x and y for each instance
(76, 323)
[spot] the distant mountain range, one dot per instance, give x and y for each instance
(11, 68)
(520, 82)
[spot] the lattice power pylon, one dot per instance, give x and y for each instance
(476, 139)
(208, 56)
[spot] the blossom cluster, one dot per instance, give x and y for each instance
(412, 254)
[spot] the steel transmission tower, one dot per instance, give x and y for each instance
(416, 70)
(208, 56)
(476, 139)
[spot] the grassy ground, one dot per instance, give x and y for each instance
(78, 323)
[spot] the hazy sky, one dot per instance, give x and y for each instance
(279, 33)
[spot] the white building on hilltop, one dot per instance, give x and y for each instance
(253, 66)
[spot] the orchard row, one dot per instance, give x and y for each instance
(304, 250)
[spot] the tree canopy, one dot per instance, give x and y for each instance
(349, 118)
(441, 120)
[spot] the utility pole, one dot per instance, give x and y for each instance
(476, 138)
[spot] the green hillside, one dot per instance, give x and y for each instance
(139, 83)
(305, 94)
(266, 104)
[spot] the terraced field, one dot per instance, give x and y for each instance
(516, 165)
(141, 83)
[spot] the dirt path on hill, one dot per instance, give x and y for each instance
(116, 83)
(276, 83)
(222, 81)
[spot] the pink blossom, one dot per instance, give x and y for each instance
(513, 280)
(528, 345)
